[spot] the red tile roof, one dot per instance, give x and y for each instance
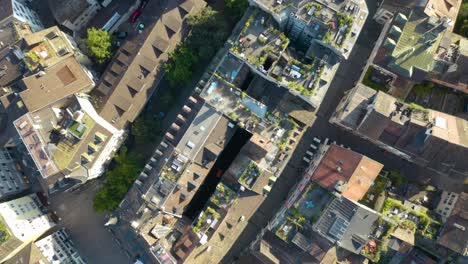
(340, 164)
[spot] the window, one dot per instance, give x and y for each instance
(106, 83)
(144, 72)
(190, 144)
(125, 52)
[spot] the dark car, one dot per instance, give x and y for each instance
(121, 34)
(135, 15)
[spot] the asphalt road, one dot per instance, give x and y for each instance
(97, 245)
(347, 76)
(86, 227)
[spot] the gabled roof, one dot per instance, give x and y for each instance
(137, 66)
(455, 233)
(355, 171)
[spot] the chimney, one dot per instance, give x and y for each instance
(338, 169)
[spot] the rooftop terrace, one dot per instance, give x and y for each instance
(46, 48)
(59, 141)
(335, 24)
(265, 49)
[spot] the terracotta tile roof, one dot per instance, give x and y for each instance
(340, 164)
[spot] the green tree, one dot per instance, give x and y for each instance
(206, 24)
(236, 8)
(146, 128)
(99, 44)
(179, 68)
(118, 181)
(461, 26)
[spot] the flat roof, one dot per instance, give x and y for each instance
(78, 147)
(57, 82)
(24, 218)
(443, 8)
(198, 131)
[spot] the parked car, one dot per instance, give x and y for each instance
(121, 34)
(135, 15)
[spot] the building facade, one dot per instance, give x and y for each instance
(23, 13)
(58, 248)
(74, 14)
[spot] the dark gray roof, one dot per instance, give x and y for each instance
(6, 9)
(347, 224)
(359, 230)
(67, 9)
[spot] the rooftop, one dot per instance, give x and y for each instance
(417, 38)
(64, 137)
(54, 83)
(337, 24)
(268, 52)
(277, 251)
(444, 8)
(347, 223)
(67, 10)
(24, 218)
(455, 233)
(129, 79)
(46, 48)
(346, 171)
(443, 126)
(451, 63)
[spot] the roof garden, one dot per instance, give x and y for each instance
(208, 219)
(38, 55)
(46, 48)
(265, 49)
(4, 233)
(77, 129)
(306, 209)
(223, 196)
(68, 147)
(336, 23)
(250, 175)
(407, 215)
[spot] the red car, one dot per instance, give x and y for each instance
(135, 15)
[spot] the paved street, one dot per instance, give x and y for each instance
(85, 226)
(97, 245)
(346, 77)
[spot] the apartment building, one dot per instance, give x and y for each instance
(418, 45)
(436, 8)
(454, 234)
(428, 137)
(135, 71)
(24, 222)
(17, 10)
(58, 248)
(74, 14)
(299, 45)
(321, 214)
(12, 181)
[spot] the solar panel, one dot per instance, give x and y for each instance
(338, 228)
